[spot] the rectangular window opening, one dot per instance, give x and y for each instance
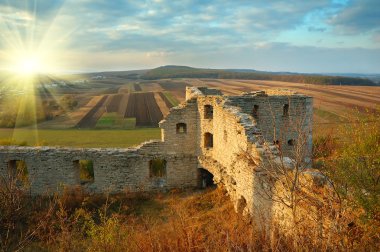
(181, 128)
(86, 171)
(255, 111)
(208, 112)
(18, 172)
(157, 168)
(208, 140)
(286, 110)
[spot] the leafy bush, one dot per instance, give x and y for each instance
(356, 168)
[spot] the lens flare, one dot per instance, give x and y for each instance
(26, 64)
(33, 54)
(29, 65)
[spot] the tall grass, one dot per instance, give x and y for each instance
(177, 221)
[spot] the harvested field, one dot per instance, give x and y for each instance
(71, 119)
(166, 100)
(179, 95)
(162, 104)
(335, 99)
(177, 88)
(95, 100)
(124, 89)
(91, 118)
(123, 104)
(151, 87)
(173, 85)
(144, 108)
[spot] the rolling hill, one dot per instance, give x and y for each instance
(171, 71)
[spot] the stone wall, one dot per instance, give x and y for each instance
(115, 170)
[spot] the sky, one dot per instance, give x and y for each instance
(322, 36)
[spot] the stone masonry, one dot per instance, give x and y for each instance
(209, 131)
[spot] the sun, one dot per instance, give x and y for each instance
(28, 64)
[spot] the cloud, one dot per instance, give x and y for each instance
(358, 17)
(165, 30)
(376, 37)
(9, 14)
(316, 29)
(171, 25)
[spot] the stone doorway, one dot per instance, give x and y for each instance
(205, 178)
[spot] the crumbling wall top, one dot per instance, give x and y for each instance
(210, 91)
(194, 92)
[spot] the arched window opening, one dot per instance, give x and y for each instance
(181, 128)
(286, 110)
(208, 112)
(255, 111)
(208, 140)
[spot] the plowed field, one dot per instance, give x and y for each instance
(90, 119)
(144, 108)
(113, 103)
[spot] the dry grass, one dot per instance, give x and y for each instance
(175, 221)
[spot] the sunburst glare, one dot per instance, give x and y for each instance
(29, 59)
(28, 64)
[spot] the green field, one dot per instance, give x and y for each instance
(78, 138)
(115, 121)
(171, 98)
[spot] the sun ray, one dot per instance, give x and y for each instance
(30, 51)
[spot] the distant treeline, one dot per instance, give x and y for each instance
(189, 72)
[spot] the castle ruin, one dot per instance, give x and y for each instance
(207, 136)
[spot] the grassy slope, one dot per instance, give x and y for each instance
(81, 138)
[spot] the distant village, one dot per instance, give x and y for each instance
(54, 84)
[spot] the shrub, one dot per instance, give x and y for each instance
(356, 169)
